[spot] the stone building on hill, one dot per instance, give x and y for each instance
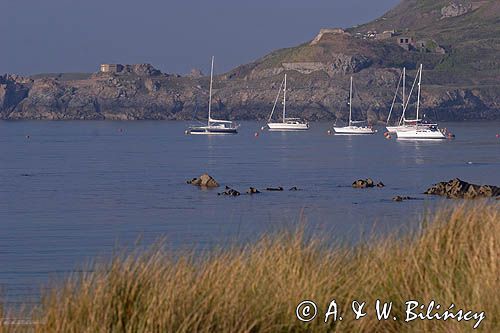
(111, 68)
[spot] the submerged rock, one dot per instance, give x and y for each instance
(253, 190)
(276, 189)
(205, 180)
(366, 183)
(399, 198)
(230, 192)
(459, 189)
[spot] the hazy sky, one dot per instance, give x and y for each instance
(77, 35)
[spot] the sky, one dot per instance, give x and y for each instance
(47, 36)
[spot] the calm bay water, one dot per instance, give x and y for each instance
(74, 190)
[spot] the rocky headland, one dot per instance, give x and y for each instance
(457, 41)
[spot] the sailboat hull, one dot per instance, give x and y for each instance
(205, 130)
(288, 127)
(354, 130)
(420, 134)
(402, 128)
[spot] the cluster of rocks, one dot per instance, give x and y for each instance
(367, 183)
(205, 180)
(252, 190)
(459, 189)
(456, 8)
(455, 188)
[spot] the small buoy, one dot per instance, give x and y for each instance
(498, 136)
(329, 132)
(263, 128)
(469, 163)
(27, 136)
(256, 134)
(388, 137)
(186, 132)
(387, 134)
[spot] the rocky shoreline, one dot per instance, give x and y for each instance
(161, 96)
(456, 43)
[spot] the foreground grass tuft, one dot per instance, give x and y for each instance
(453, 258)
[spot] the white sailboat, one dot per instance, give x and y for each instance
(287, 124)
(214, 126)
(403, 123)
(414, 129)
(352, 128)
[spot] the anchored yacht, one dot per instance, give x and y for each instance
(415, 129)
(214, 126)
(287, 124)
(353, 128)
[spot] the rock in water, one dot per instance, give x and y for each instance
(459, 189)
(204, 180)
(276, 189)
(253, 190)
(366, 183)
(401, 198)
(230, 192)
(360, 184)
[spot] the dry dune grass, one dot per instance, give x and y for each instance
(453, 258)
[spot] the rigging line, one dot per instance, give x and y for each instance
(394, 100)
(409, 96)
(276, 100)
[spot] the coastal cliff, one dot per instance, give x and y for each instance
(457, 41)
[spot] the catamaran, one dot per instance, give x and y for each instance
(414, 129)
(287, 124)
(214, 126)
(352, 128)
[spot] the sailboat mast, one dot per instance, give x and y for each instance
(350, 104)
(404, 98)
(404, 85)
(284, 101)
(210, 92)
(419, 88)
